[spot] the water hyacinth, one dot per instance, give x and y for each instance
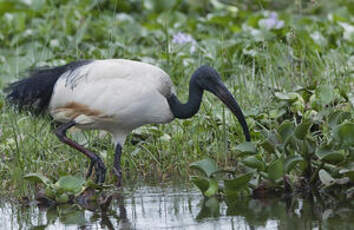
(272, 22)
(183, 38)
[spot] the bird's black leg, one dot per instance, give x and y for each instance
(116, 165)
(89, 171)
(95, 159)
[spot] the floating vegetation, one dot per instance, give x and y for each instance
(306, 147)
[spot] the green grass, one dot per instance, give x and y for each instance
(254, 63)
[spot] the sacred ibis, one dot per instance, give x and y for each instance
(115, 95)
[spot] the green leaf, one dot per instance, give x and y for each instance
(90, 184)
(344, 134)
(276, 113)
(291, 162)
(213, 188)
(311, 146)
(286, 130)
(70, 184)
(287, 96)
(326, 178)
(206, 166)
(201, 182)
(337, 117)
(63, 198)
(246, 148)
(275, 170)
(302, 130)
(237, 183)
(348, 173)
(37, 178)
(325, 94)
(268, 146)
(298, 106)
(208, 186)
(326, 154)
(50, 192)
(253, 162)
(223, 171)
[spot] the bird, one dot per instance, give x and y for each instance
(115, 95)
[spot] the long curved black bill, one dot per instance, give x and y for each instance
(227, 98)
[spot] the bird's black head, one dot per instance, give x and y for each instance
(207, 78)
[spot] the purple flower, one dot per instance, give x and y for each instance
(272, 22)
(182, 38)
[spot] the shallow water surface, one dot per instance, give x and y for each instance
(180, 207)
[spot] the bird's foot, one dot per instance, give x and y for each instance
(100, 170)
(118, 173)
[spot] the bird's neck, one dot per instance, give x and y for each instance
(187, 110)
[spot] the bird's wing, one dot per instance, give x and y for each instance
(120, 69)
(123, 91)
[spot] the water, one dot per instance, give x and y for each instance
(180, 207)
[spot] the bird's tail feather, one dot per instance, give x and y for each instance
(34, 92)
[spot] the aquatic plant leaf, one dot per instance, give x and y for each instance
(344, 180)
(268, 146)
(348, 173)
(287, 96)
(344, 134)
(223, 171)
(276, 113)
(50, 192)
(311, 145)
(206, 166)
(298, 106)
(325, 153)
(286, 130)
(291, 162)
(62, 198)
(337, 117)
(315, 103)
(213, 188)
(237, 183)
(37, 178)
(253, 162)
(325, 94)
(90, 184)
(201, 182)
(208, 186)
(70, 184)
(302, 130)
(247, 148)
(275, 169)
(326, 178)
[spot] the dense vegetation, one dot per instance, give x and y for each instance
(289, 65)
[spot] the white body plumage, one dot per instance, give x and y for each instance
(116, 95)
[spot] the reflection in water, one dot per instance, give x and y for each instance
(174, 207)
